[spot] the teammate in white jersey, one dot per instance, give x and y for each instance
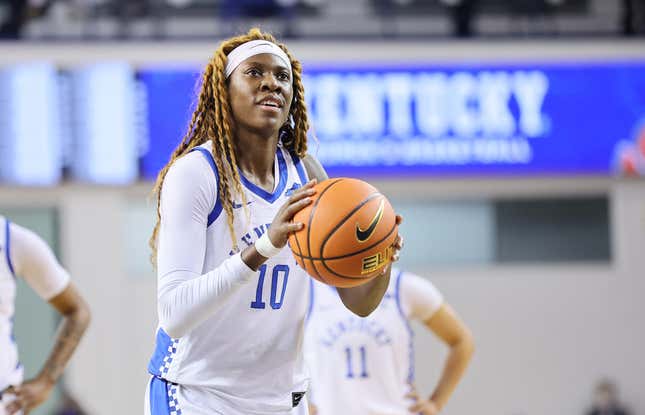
(231, 299)
(24, 255)
(366, 366)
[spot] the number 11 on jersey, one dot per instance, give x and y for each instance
(350, 354)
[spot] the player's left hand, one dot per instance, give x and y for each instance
(421, 406)
(29, 395)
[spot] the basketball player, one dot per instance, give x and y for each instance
(366, 366)
(231, 299)
(23, 254)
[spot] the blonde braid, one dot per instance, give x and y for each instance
(221, 138)
(189, 140)
(298, 109)
(212, 120)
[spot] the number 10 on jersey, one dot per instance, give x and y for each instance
(279, 271)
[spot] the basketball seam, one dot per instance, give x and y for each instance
(311, 216)
(303, 257)
(322, 260)
(345, 219)
(299, 254)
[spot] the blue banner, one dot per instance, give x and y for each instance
(432, 120)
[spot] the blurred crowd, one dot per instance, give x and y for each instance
(15, 14)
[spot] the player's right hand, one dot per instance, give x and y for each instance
(282, 224)
(28, 396)
(420, 405)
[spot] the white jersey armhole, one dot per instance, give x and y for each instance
(417, 297)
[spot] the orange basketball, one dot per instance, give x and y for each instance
(348, 233)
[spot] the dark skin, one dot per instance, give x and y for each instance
(256, 125)
(261, 91)
(76, 317)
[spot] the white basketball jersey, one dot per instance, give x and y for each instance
(10, 368)
(248, 356)
(361, 366)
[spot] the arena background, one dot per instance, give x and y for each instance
(512, 145)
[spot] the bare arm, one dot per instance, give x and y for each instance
(451, 330)
(364, 299)
(34, 261)
(76, 318)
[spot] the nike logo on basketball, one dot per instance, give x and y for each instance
(364, 234)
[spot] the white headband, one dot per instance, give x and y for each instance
(252, 48)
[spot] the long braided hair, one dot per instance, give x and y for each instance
(212, 120)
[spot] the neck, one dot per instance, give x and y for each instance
(255, 156)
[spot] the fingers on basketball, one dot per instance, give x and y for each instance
(349, 233)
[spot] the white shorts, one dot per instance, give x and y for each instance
(161, 398)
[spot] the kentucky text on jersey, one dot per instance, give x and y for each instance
(336, 330)
(245, 358)
(249, 238)
(365, 366)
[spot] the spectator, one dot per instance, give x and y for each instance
(462, 14)
(605, 400)
(633, 17)
(17, 14)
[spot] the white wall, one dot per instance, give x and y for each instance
(544, 334)
(191, 53)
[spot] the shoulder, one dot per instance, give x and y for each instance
(315, 170)
(190, 185)
(409, 281)
(23, 239)
(192, 172)
(35, 262)
(195, 164)
(418, 296)
(27, 247)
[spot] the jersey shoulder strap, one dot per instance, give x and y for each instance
(217, 209)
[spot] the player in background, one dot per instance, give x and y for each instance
(366, 366)
(231, 299)
(25, 255)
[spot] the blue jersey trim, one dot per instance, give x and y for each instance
(397, 296)
(13, 337)
(162, 355)
(311, 300)
(7, 251)
(301, 171)
(217, 210)
(270, 197)
(159, 399)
